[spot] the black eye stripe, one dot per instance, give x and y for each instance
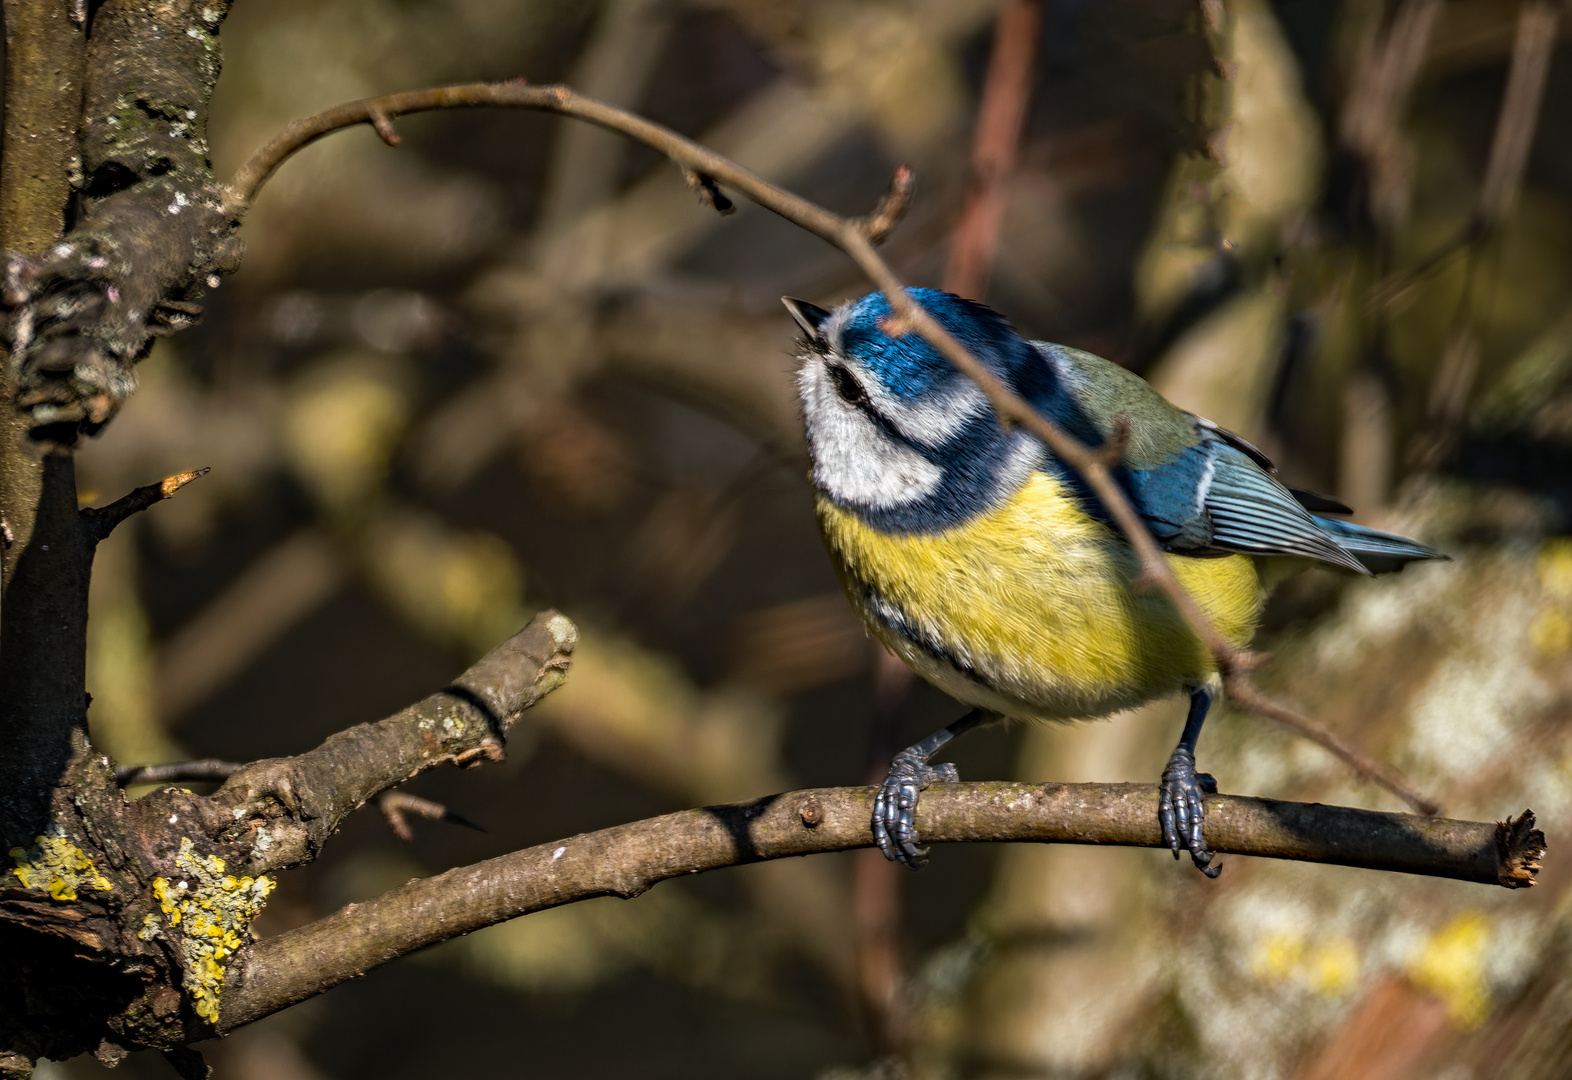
(847, 386)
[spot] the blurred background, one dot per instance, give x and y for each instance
(514, 363)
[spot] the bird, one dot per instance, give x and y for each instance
(984, 562)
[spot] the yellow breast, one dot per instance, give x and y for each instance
(1029, 610)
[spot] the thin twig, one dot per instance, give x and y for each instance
(1243, 694)
(395, 804)
(627, 860)
(101, 521)
(857, 238)
(892, 205)
(709, 194)
(176, 772)
(384, 128)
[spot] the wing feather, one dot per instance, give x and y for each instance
(1251, 511)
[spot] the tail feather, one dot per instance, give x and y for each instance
(1379, 551)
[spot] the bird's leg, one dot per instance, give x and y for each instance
(895, 807)
(1180, 803)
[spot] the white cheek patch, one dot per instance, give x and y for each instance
(853, 460)
(933, 422)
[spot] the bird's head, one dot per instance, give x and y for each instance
(888, 416)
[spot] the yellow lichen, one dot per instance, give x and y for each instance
(1550, 633)
(1452, 966)
(1330, 967)
(1555, 567)
(56, 866)
(213, 911)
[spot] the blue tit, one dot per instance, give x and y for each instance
(983, 562)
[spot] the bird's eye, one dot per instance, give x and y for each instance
(847, 386)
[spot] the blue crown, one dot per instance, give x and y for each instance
(911, 369)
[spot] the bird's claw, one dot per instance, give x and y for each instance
(1181, 807)
(895, 807)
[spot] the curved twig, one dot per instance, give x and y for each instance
(242, 188)
(628, 859)
(857, 237)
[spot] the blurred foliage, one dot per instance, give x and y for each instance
(513, 363)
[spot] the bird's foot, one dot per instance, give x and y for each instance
(1181, 807)
(895, 807)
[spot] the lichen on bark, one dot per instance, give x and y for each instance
(209, 913)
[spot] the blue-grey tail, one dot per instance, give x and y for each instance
(1379, 552)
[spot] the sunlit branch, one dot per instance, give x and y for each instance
(628, 859)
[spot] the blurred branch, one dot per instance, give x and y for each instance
(1457, 373)
(627, 860)
(1384, 75)
(1537, 27)
(176, 772)
(615, 65)
(1520, 106)
(877, 886)
(1006, 95)
(286, 583)
(857, 237)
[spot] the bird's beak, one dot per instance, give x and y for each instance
(809, 316)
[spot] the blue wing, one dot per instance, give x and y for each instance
(1215, 497)
(1201, 489)
(1250, 511)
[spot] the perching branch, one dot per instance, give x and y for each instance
(857, 237)
(628, 859)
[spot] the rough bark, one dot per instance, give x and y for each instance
(119, 920)
(45, 54)
(152, 233)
